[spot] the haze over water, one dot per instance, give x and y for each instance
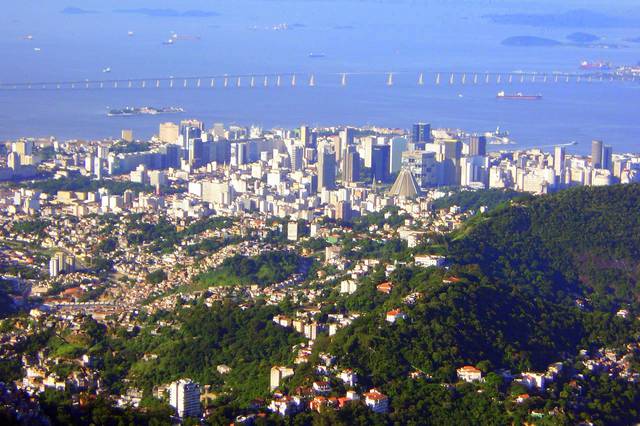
(355, 36)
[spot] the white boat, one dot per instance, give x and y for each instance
(37, 49)
(106, 70)
(130, 33)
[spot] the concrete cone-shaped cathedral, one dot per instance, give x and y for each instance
(405, 185)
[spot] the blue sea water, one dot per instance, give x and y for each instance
(356, 36)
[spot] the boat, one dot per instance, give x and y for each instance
(519, 96)
(130, 33)
(37, 49)
(317, 55)
(28, 37)
(106, 70)
(597, 65)
(168, 42)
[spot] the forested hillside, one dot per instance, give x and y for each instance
(534, 283)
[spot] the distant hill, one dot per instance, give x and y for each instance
(582, 37)
(530, 41)
(575, 18)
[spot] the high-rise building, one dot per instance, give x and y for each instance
(195, 149)
(296, 155)
(127, 135)
(60, 263)
(558, 160)
(218, 131)
(380, 159)
(188, 134)
(24, 148)
(477, 145)
(398, 146)
(191, 123)
(367, 149)
(326, 170)
(169, 132)
(421, 132)
(343, 211)
(184, 396)
(351, 169)
(307, 137)
(172, 155)
(596, 154)
(13, 161)
(450, 153)
(293, 231)
(347, 135)
(422, 165)
(607, 157)
(474, 171)
(346, 138)
(277, 375)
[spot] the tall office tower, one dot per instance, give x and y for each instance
(13, 161)
(326, 170)
(421, 132)
(398, 146)
(218, 131)
(184, 396)
(188, 133)
(89, 163)
(239, 153)
(347, 135)
(451, 151)
(596, 154)
(380, 159)
(191, 123)
(195, 151)
(172, 156)
(24, 148)
(306, 136)
(103, 152)
(296, 152)
(346, 138)
(127, 135)
(477, 145)
(607, 157)
(351, 169)
(169, 132)
(60, 263)
(367, 150)
(343, 211)
(558, 160)
(422, 165)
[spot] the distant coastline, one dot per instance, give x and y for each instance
(530, 41)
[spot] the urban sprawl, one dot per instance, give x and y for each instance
(165, 212)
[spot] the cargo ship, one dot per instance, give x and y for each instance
(518, 96)
(598, 65)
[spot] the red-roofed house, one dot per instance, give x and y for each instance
(394, 315)
(469, 374)
(385, 288)
(376, 401)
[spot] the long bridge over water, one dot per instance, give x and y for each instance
(293, 79)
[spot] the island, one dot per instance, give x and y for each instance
(129, 111)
